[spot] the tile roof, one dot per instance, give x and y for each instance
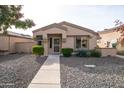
(60, 26)
(10, 33)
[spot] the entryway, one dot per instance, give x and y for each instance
(54, 44)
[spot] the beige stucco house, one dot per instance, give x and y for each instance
(15, 42)
(108, 38)
(65, 35)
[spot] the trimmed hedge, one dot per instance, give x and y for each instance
(114, 45)
(120, 53)
(95, 53)
(82, 53)
(38, 50)
(88, 53)
(67, 52)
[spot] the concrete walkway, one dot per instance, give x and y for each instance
(120, 56)
(49, 74)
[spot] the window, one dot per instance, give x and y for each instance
(39, 42)
(78, 42)
(50, 43)
(84, 43)
(39, 39)
(81, 42)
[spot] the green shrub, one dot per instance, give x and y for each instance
(114, 45)
(95, 53)
(67, 52)
(82, 53)
(120, 53)
(38, 50)
(88, 53)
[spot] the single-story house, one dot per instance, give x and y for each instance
(14, 42)
(65, 35)
(110, 38)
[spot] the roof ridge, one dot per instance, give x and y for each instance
(78, 26)
(51, 25)
(108, 30)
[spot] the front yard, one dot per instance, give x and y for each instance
(107, 72)
(17, 70)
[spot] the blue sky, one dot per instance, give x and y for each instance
(95, 17)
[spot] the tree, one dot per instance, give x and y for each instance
(120, 28)
(10, 15)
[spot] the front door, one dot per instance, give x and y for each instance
(56, 44)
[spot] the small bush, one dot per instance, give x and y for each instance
(67, 52)
(120, 53)
(114, 45)
(88, 53)
(38, 50)
(95, 53)
(82, 53)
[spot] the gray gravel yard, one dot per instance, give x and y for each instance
(17, 70)
(109, 72)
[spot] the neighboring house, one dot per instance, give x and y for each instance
(109, 37)
(65, 35)
(8, 42)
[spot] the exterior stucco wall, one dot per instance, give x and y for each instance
(50, 31)
(24, 47)
(108, 51)
(92, 43)
(45, 36)
(68, 37)
(4, 43)
(110, 37)
(74, 31)
(8, 42)
(69, 43)
(120, 47)
(14, 40)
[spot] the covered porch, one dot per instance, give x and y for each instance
(54, 43)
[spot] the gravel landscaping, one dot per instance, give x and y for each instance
(17, 70)
(107, 72)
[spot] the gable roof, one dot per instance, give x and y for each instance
(51, 26)
(60, 26)
(10, 33)
(110, 30)
(78, 27)
(105, 31)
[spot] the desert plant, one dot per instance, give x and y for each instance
(95, 53)
(38, 50)
(67, 52)
(114, 45)
(88, 54)
(82, 53)
(120, 53)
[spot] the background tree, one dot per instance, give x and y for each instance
(120, 28)
(10, 15)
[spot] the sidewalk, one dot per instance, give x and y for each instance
(49, 74)
(120, 56)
